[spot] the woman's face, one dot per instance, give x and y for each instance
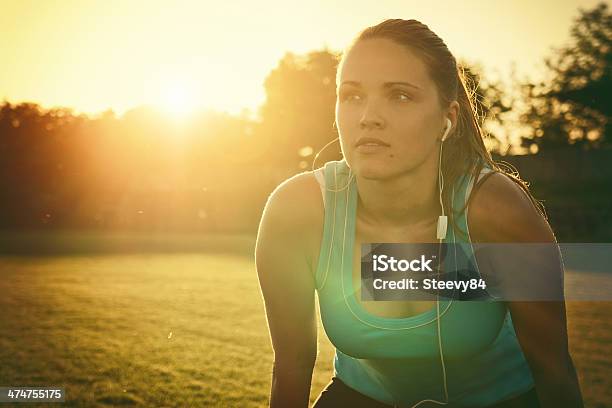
(384, 92)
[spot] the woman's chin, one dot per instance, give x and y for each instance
(372, 171)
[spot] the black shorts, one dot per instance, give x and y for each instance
(338, 394)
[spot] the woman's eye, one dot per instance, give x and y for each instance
(402, 96)
(348, 96)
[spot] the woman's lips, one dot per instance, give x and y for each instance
(367, 148)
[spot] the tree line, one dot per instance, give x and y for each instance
(59, 168)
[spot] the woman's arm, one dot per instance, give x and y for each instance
(282, 258)
(501, 212)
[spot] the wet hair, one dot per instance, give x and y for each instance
(464, 151)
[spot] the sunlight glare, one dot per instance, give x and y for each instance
(179, 100)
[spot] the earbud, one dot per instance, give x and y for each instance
(448, 127)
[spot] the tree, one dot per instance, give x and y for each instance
(298, 114)
(575, 106)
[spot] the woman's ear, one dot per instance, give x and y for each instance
(453, 113)
(452, 118)
(449, 125)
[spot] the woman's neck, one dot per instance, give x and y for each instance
(407, 199)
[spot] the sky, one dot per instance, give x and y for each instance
(190, 55)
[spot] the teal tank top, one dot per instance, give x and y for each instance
(397, 360)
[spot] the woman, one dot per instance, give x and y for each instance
(412, 150)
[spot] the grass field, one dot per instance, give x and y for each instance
(179, 329)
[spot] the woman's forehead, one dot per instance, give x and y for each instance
(377, 61)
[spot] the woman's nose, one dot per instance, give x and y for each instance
(371, 119)
(371, 122)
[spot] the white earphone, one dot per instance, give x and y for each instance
(442, 219)
(448, 128)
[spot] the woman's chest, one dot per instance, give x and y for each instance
(365, 234)
(467, 326)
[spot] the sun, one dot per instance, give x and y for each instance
(178, 99)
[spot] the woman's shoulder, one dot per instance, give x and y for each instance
(500, 210)
(299, 195)
(296, 206)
